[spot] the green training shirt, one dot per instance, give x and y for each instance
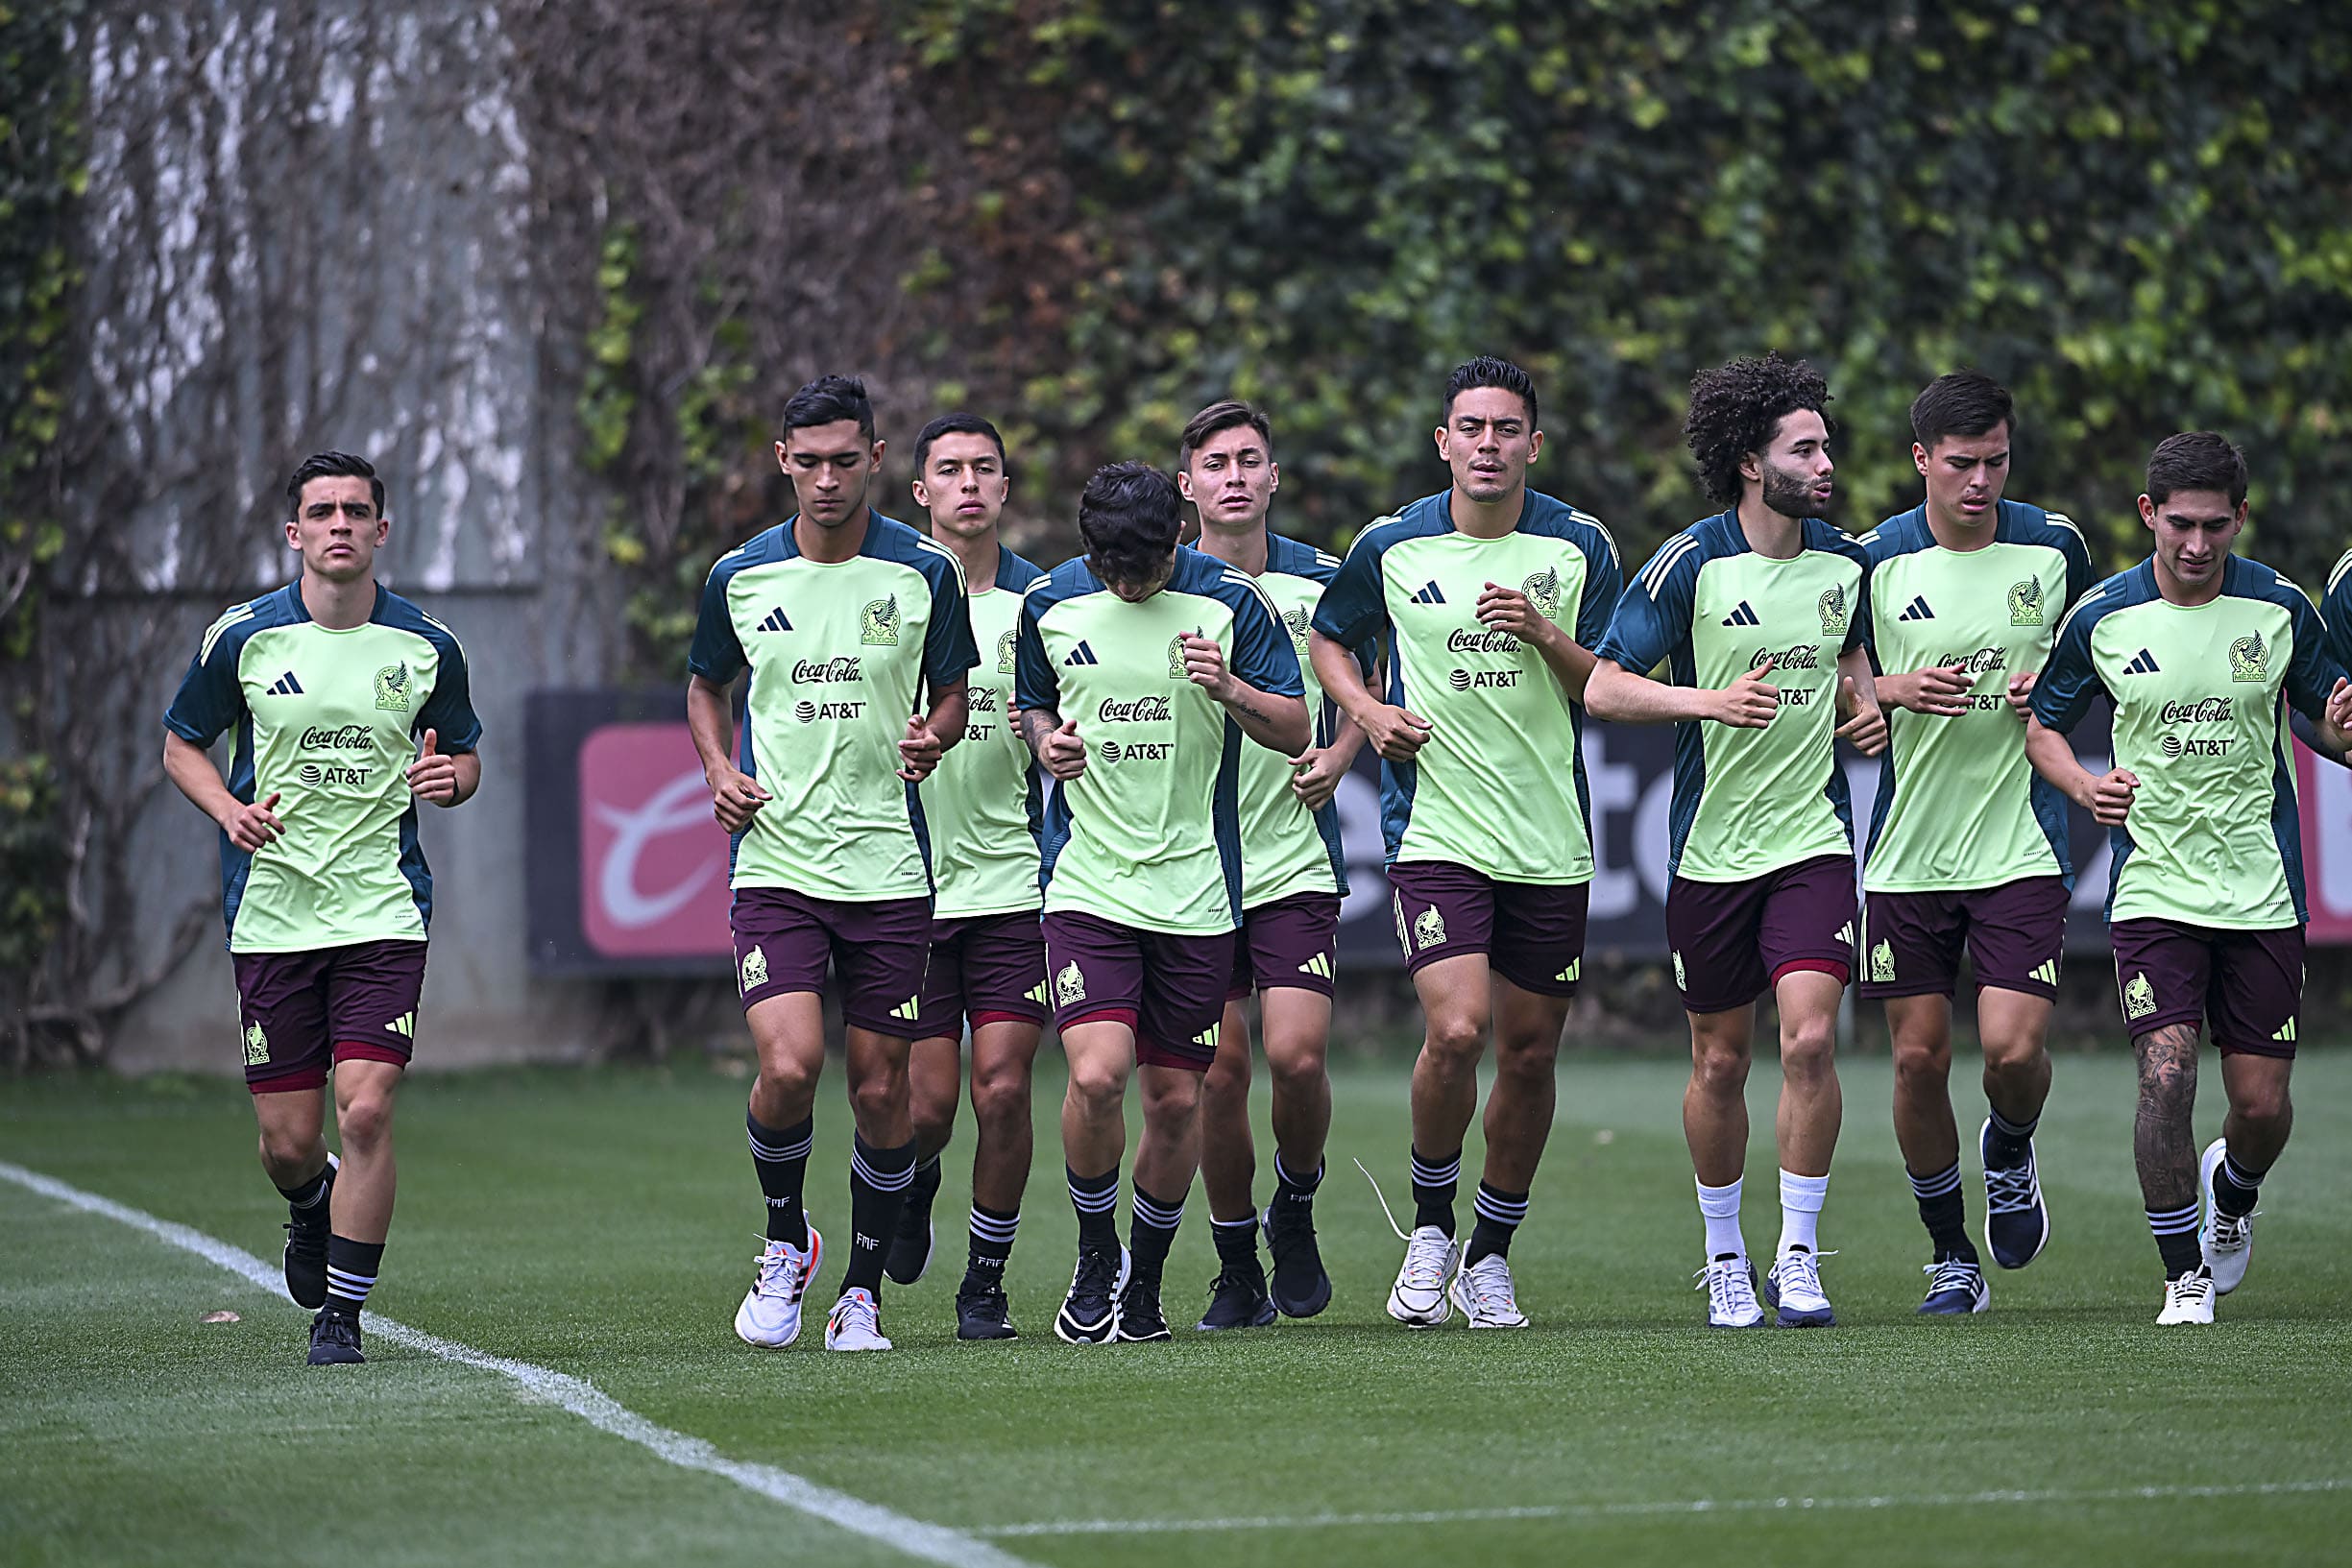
(326, 721)
(1958, 805)
(838, 652)
(2213, 839)
(982, 805)
(1287, 849)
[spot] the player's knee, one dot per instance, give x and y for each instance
(2264, 1106)
(365, 1121)
(786, 1081)
(2009, 1057)
(1228, 1078)
(1171, 1098)
(1926, 1062)
(1098, 1086)
(283, 1154)
(875, 1096)
(1458, 1037)
(1298, 1075)
(1807, 1045)
(999, 1097)
(1719, 1068)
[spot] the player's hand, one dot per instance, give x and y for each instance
(1749, 702)
(735, 797)
(920, 752)
(252, 826)
(1508, 610)
(1064, 755)
(432, 776)
(2020, 692)
(1866, 730)
(2340, 706)
(1939, 690)
(1394, 733)
(1315, 777)
(2111, 797)
(1205, 665)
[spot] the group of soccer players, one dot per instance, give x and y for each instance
(987, 796)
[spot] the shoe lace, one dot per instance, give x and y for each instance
(856, 1310)
(1238, 1277)
(2011, 1191)
(1490, 1284)
(2231, 1230)
(1730, 1293)
(2194, 1285)
(1096, 1272)
(1952, 1274)
(781, 1272)
(1426, 1253)
(1801, 1271)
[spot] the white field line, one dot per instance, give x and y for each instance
(928, 1543)
(1635, 1511)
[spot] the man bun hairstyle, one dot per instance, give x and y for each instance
(1966, 404)
(332, 465)
(829, 400)
(1129, 518)
(2196, 460)
(1229, 414)
(954, 424)
(1490, 371)
(1736, 407)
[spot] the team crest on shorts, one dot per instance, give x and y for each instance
(1542, 590)
(1832, 608)
(1682, 981)
(1003, 652)
(877, 623)
(1882, 963)
(256, 1046)
(2249, 659)
(1428, 930)
(2025, 603)
(754, 971)
(1070, 985)
(2138, 997)
(392, 687)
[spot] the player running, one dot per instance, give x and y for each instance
(329, 682)
(1490, 595)
(1294, 875)
(1759, 614)
(842, 616)
(987, 955)
(1967, 847)
(1131, 661)
(2198, 649)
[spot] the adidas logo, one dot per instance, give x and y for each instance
(286, 686)
(1917, 610)
(2142, 663)
(1319, 966)
(1429, 594)
(906, 1010)
(2286, 1036)
(1745, 615)
(775, 621)
(405, 1023)
(1081, 655)
(1570, 975)
(2046, 972)
(1845, 934)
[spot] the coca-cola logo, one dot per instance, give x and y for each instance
(653, 865)
(1485, 642)
(1801, 655)
(817, 671)
(1980, 662)
(1141, 711)
(2209, 711)
(340, 737)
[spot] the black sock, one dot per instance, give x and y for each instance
(1433, 1190)
(1237, 1243)
(925, 1187)
(1096, 1198)
(1290, 1192)
(307, 1194)
(1499, 1214)
(2235, 1188)
(878, 1183)
(1943, 1212)
(1152, 1232)
(2008, 1143)
(991, 1245)
(781, 1157)
(351, 1273)
(2176, 1239)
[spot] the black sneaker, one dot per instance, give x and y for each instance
(1301, 1288)
(334, 1339)
(1090, 1315)
(911, 1247)
(2016, 1219)
(1237, 1299)
(981, 1312)
(307, 1233)
(1140, 1318)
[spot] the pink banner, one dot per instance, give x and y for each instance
(653, 862)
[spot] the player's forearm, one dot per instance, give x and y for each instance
(1854, 664)
(468, 775)
(2325, 738)
(1342, 681)
(711, 721)
(1278, 723)
(190, 769)
(1346, 739)
(2053, 759)
(951, 708)
(1569, 661)
(1036, 724)
(1612, 691)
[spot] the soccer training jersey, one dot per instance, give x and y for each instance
(838, 652)
(982, 805)
(2213, 838)
(1749, 802)
(1499, 784)
(326, 721)
(1150, 834)
(1958, 807)
(1287, 849)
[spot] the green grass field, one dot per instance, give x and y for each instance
(603, 1224)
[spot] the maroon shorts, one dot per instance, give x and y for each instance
(1733, 940)
(1533, 934)
(2013, 934)
(1291, 941)
(783, 940)
(2246, 987)
(982, 968)
(1169, 989)
(300, 1012)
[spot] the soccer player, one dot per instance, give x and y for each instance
(1491, 596)
(1141, 667)
(2196, 648)
(843, 618)
(1968, 846)
(349, 707)
(987, 953)
(1758, 612)
(1294, 875)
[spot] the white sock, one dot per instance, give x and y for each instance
(1719, 1206)
(1801, 1199)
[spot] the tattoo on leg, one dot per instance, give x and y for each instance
(2164, 1133)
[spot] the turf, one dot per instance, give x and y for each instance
(604, 1224)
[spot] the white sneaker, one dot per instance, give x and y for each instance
(1419, 1299)
(2228, 1239)
(1486, 1295)
(2187, 1299)
(769, 1316)
(856, 1322)
(1729, 1284)
(1794, 1287)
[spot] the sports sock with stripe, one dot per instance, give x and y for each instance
(781, 1158)
(1237, 1240)
(1292, 1189)
(1944, 1213)
(2235, 1188)
(1433, 1190)
(2008, 1143)
(351, 1267)
(878, 1182)
(991, 1245)
(1150, 1232)
(1499, 1215)
(1096, 1198)
(2176, 1233)
(307, 1197)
